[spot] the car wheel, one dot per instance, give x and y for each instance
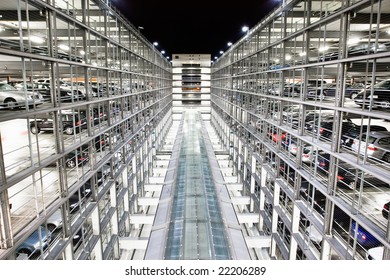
(11, 104)
(25, 251)
(35, 130)
(353, 95)
(51, 227)
(69, 130)
(71, 163)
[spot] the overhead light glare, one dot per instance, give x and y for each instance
(353, 41)
(302, 54)
(36, 39)
(63, 47)
(323, 48)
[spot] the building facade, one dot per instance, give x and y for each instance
(191, 82)
(299, 107)
(85, 103)
(301, 103)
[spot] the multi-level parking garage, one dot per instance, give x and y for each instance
(85, 102)
(302, 103)
(294, 163)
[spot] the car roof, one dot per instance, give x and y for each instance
(376, 253)
(378, 133)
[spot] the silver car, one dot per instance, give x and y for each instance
(375, 143)
(12, 98)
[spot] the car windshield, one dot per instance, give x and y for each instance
(383, 85)
(370, 139)
(6, 87)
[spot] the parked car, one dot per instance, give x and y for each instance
(99, 142)
(351, 90)
(98, 115)
(76, 158)
(385, 210)
(375, 253)
(308, 152)
(12, 98)
(346, 174)
(310, 116)
(318, 92)
(325, 127)
(286, 112)
(314, 235)
(376, 144)
(54, 221)
(38, 241)
(354, 131)
(64, 91)
(77, 199)
(71, 122)
(363, 237)
(295, 89)
(277, 136)
(367, 48)
(380, 95)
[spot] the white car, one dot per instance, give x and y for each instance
(313, 234)
(54, 221)
(308, 152)
(12, 98)
(375, 143)
(375, 253)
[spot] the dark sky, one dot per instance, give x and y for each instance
(199, 26)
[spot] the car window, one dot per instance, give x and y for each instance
(370, 139)
(383, 85)
(67, 117)
(6, 87)
(384, 141)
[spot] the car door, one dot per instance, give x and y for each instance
(384, 145)
(47, 124)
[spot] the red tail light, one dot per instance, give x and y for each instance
(372, 148)
(78, 123)
(386, 206)
(340, 178)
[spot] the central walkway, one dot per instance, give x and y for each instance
(196, 230)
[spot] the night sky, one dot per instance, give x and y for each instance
(200, 26)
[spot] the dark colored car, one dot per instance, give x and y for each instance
(99, 142)
(70, 122)
(98, 115)
(346, 174)
(310, 116)
(37, 241)
(385, 210)
(351, 90)
(380, 95)
(325, 127)
(318, 92)
(76, 158)
(363, 237)
(295, 89)
(354, 131)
